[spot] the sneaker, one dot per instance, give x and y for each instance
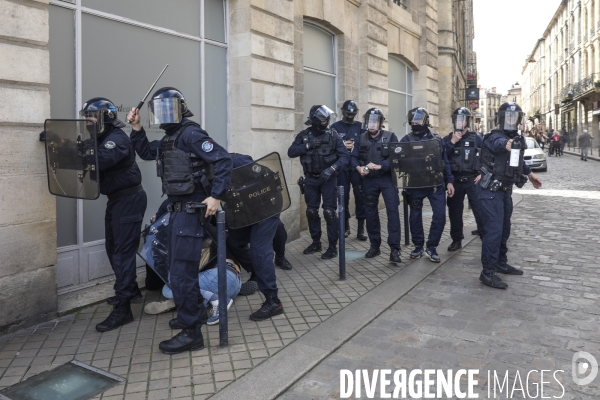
(372, 252)
(159, 307)
(330, 253)
(187, 339)
(269, 309)
(456, 245)
(490, 279)
(417, 252)
(432, 255)
(395, 256)
(282, 263)
(508, 269)
(249, 287)
(214, 319)
(313, 248)
(137, 298)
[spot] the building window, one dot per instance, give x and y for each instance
(320, 68)
(400, 96)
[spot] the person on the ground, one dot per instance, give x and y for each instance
(494, 192)
(184, 158)
(349, 130)
(585, 144)
(322, 154)
(418, 118)
(462, 149)
(371, 159)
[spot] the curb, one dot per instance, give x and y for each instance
(572, 153)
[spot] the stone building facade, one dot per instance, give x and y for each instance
(489, 102)
(250, 69)
(561, 80)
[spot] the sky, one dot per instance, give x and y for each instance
(505, 33)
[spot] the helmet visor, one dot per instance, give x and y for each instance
(418, 117)
(94, 117)
(323, 113)
(460, 122)
(373, 122)
(164, 111)
(511, 120)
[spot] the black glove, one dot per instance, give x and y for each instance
(325, 175)
(42, 136)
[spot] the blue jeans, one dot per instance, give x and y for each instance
(209, 284)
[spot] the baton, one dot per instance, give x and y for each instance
(141, 104)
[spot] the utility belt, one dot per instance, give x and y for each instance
(497, 186)
(125, 192)
(463, 179)
(313, 175)
(190, 208)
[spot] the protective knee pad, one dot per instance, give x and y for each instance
(416, 204)
(371, 201)
(312, 214)
(329, 214)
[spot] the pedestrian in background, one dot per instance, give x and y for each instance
(585, 143)
(564, 139)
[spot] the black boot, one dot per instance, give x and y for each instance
(137, 298)
(313, 248)
(187, 339)
(330, 253)
(489, 277)
(173, 324)
(282, 263)
(270, 308)
(456, 244)
(249, 287)
(508, 269)
(360, 234)
(372, 253)
(395, 256)
(347, 228)
(121, 314)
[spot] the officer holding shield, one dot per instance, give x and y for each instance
(195, 173)
(322, 154)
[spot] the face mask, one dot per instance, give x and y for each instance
(348, 119)
(169, 128)
(418, 130)
(319, 128)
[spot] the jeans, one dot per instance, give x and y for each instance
(209, 284)
(584, 151)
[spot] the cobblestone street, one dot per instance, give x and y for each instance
(451, 321)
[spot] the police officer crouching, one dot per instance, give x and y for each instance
(462, 147)
(349, 130)
(121, 182)
(187, 160)
(419, 123)
(322, 154)
(501, 166)
(371, 160)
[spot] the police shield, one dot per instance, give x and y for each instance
(72, 158)
(417, 164)
(153, 247)
(258, 191)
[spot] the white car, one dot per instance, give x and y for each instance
(535, 156)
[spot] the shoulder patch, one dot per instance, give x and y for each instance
(207, 146)
(110, 145)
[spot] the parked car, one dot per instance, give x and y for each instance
(535, 156)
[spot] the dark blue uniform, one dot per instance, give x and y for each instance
(327, 191)
(464, 184)
(186, 233)
(120, 180)
(437, 199)
(374, 184)
(496, 208)
(350, 175)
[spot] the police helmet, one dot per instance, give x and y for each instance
(102, 112)
(509, 117)
(167, 106)
(461, 118)
(349, 111)
(318, 114)
(373, 120)
(418, 116)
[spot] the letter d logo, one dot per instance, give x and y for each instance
(579, 368)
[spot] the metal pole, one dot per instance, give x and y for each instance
(222, 280)
(406, 227)
(342, 218)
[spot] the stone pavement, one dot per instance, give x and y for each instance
(451, 321)
(311, 294)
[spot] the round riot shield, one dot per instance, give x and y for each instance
(258, 191)
(72, 158)
(417, 164)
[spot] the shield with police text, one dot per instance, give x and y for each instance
(72, 158)
(258, 191)
(154, 247)
(417, 164)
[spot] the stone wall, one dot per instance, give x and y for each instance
(28, 211)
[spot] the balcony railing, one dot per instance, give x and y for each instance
(401, 3)
(566, 92)
(584, 86)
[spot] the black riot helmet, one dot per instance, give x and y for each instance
(418, 118)
(101, 112)
(373, 120)
(319, 117)
(461, 118)
(349, 111)
(167, 106)
(509, 117)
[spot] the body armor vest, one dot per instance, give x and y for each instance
(374, 152)
(498, 164)
(464, 160)
(322, 156)
(179, 170)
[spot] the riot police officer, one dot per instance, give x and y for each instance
(499, 171)
(462, 148)
(121, 182)
(371, 160)
(187, 160)
(322, 154)
(350, 130)
(419, 123)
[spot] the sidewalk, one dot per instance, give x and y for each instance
(576, 151)
(311, 294)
